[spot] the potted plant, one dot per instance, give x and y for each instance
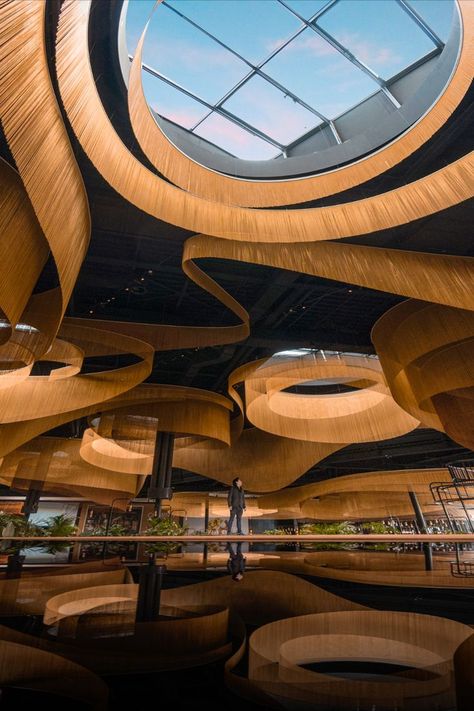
(377, 527)
(60, 526)
(329, 529)
(164, 526)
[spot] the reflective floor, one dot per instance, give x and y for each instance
(292, 626)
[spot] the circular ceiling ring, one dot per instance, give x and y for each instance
(364, 415)
(150, 193)
(201, 181)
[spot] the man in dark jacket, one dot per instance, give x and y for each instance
(236, 501)
(236, 562)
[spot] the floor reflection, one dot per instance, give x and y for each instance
(304, 628)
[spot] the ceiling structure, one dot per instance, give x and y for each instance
(132, 271)
(269, 106)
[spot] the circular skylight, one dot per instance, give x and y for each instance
(267, 79)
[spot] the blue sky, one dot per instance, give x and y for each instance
(378, 32)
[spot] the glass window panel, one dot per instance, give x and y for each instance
(186, 55)
(262, 105)
(235, 140)
(438, 14)
(171, 103)
(252, 28)
(306, 8)
(380, 34)
(330, 83)
(137, 16)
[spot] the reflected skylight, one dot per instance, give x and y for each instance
(254, 76)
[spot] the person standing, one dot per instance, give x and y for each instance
(236, 501)
(236, 562)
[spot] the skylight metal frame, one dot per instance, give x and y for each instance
(257, 70)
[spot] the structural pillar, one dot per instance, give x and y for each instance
(33, 495)
(14, 565)
(160, 482)
(149, 591)
(421, 523)
(205, 550)
(32, 499)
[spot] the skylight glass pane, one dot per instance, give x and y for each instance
(262, 105)
(306, 8)
(252, 28)
(235, 140)
(331, 84)
(187, 56)
(438, 14)
(171, 103)
(380, 34)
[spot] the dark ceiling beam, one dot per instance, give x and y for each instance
(263, 307)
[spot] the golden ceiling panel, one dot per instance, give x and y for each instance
(39, 143)
(423, 643)
(427, 354)
(55, 464)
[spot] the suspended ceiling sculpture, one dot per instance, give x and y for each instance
(424, 644)
(46, 205)
(427, 354)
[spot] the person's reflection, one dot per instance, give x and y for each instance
(236, 562)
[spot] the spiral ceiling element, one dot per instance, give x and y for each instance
(425, 370)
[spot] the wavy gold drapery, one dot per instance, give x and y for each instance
(289, 436)
(40, 146)
(423, 643)
(427, 353)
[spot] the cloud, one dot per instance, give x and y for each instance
(368, 51)
(364, 49)
(310, 42)
(234, 139)
(268, 110)
(164, 53)
(180, 116)
(222, 129)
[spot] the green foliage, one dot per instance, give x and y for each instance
(21, 526)
(116, 529)
(4, 520)
(276, 532)
(377, 527)
(163, 526)
(60, 525)
(341, 528)
(323, 528)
